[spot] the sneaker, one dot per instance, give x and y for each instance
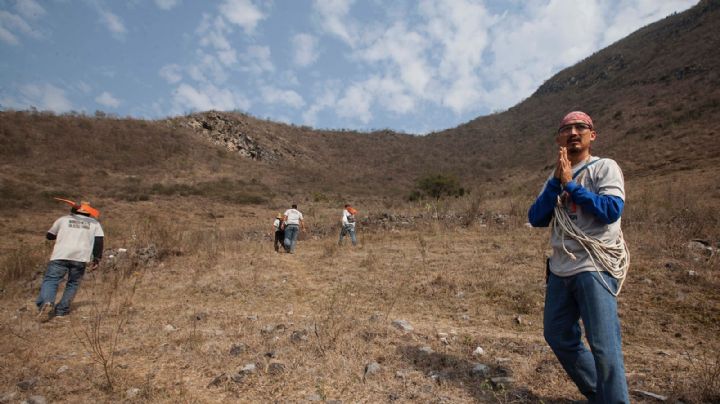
(45, 312)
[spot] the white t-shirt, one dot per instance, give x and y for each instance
(348, 220)
(75, 237)
(276, 224)
(603, 178)
(293, 216)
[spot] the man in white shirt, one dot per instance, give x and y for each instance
(78, 240)
(293, 219)
(348, 224)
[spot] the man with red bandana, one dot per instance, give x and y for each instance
(592, 193)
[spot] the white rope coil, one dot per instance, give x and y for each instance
(612, 257)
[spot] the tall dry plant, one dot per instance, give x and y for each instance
(100, 334)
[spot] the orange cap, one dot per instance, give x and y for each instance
(82, 207)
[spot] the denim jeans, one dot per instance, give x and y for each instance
(54, 274)
(291, 235)
(348, 230)
(599, 373)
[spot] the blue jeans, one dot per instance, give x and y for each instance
(54, 274)
(291, 235)
(348, 230)
(599, 373)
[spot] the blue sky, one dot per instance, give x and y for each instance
(410, 65)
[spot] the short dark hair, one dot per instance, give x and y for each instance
(294, 205)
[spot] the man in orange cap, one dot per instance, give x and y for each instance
(347, 224)
(583, 200)
(78, 240)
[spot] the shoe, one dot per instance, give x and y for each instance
(45, 312)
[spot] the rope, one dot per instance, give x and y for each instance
(612, 257)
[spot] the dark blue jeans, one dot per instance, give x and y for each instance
(350, 230)
(291, 235)
(599, 373)
(54, 274)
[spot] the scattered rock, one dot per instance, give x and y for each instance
(252, 317)
(299, 336)
(132, 392)
(644, 393)
(401, 374)
(169, 328)
(480, 370)
(479, 351)
(248, 369)
(426, 350)
(237, 377)
(700, 248)
(314, 397)
(271, 354)
(27, 384)
(271, 328)
(692, 273)
(237, 349)
(62, 369)
(371, 368)
(8, 397)
(276, 368)
(403, 325)
(502, 382)
(218, 380)
(502, 360)
(35, 400)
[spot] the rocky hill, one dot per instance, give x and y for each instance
(654, 97)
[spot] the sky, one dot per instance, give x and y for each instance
(413, 66)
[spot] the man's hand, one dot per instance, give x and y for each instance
(563, 169)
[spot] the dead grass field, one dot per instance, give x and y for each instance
(217, 298)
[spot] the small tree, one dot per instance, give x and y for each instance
(437, 186)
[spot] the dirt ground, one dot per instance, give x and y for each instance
(215, 315)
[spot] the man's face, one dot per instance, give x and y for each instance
(576, 137)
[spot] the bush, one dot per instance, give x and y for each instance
(437, 186)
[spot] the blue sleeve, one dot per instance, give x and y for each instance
(541, 211)
(607, 208)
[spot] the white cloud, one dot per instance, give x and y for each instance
(113, 23)
(166, 4)
(356, 103)
(404, 49)
(272, 95)
(171, 73)
(8, 37)
(209, 97)
(256, 59)
(333, 18)
(629, 16)
(327, 98)
(45, 97)
(107, 100)
(243, 13)
(306, 52)
(30, 9)
(11, 25)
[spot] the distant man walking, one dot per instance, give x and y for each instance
(582, 201)
(78, 240)
(347, 223)
(293, 224)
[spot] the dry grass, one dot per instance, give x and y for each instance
(312, 321)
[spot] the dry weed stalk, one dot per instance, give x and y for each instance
(101, 334)
(333, 318)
